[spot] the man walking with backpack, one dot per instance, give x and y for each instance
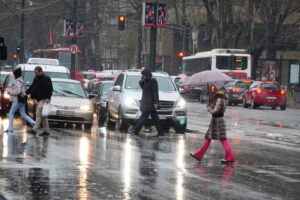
(41, 91)
(18, 102)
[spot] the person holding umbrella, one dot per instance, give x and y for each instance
(217, 128)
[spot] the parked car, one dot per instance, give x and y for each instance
(99, 77)
(69, 103)
(235, 91)
(28, 76)
(124, 99)
(98, 98)
(265, 93)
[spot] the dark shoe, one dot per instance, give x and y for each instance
(8, 131)
(131, 131)
(191, 154)
(227, 162)
(32, 132)
(44, 134)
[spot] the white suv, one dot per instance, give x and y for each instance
(123, 102)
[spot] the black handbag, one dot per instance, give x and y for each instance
(22, 99)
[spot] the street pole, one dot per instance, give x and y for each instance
(74, 39)
(153, 40)
(21, 56)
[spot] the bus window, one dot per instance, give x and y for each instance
(65, 59)
(232, 62)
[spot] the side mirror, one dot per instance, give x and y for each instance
(117, 88)
(181, 91)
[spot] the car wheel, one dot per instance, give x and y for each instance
(283, 107)
(245, 105)
(107, 122)
(180, 128)
(121, 123)
(87, 126)
(273, 107)
(253, 104)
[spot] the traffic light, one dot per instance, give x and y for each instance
(79, 29)
(18, 51)
(3, 49)
(69, 28)
(181, 54)
(15, 56)
(121, 22)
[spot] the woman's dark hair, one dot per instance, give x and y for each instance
(17, 73)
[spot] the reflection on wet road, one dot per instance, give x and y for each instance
(104, 164)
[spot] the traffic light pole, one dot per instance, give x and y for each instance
(153, 33)
(74, 40)
(21, 56)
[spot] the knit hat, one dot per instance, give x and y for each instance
(17, 73)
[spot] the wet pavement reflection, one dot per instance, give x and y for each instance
(105, 164)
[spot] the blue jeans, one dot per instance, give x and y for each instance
(13, 109)
(144, 117)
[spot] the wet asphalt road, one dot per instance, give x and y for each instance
(104, 164)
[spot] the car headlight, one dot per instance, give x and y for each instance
(181, 103)
(86, 107)
(130, 101)
(6, 95)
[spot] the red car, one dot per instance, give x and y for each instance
(265, 93)
(5, 97)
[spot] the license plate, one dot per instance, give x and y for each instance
(270, 97)
(162, 116)
(159, 117)
(65, 113)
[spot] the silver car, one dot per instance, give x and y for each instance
(123, 102)
(69, 103)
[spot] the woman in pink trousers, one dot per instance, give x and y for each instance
(217, 127)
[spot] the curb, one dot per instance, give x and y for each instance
(195, 131)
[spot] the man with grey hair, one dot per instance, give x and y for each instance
(41, 91)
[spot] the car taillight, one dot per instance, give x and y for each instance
(186, 87)
(113, 79)
(97, 79)
(282, 92)
(259, 91)
(235, 89)
(213, 88)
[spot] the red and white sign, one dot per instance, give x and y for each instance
(74, 49)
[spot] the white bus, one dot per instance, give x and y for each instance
(234, 62)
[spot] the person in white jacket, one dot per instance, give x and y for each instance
(18, 88)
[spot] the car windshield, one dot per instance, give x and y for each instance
(106, 88)
(2, 78)
(89, 76)
(269, 86)
(243, 85)
(164, 83)
(28, 76)
(68, 89)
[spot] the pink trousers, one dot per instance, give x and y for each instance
(229, 155)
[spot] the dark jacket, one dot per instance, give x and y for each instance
(41, 88)
(150, 92)
(217, 107)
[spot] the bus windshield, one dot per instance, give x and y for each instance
(232, 62)
(65, 59)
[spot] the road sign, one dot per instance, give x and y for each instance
(74, 49)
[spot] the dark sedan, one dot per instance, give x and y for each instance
(98, 99)
(235, 91)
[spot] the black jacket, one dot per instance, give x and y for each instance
(41, 88)
(150, 92)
